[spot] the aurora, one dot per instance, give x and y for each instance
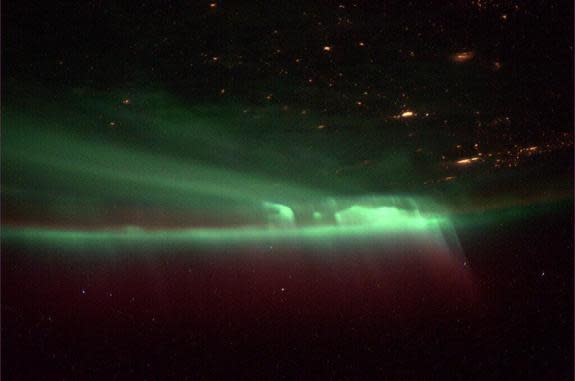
(93, 179)
(92, 186)
(286, 190)
(359, 225)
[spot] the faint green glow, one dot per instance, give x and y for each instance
(494, 218)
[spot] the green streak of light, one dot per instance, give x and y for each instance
(429, 230)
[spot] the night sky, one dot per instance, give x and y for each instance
(287, 190)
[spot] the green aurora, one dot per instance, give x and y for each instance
(75, 163)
